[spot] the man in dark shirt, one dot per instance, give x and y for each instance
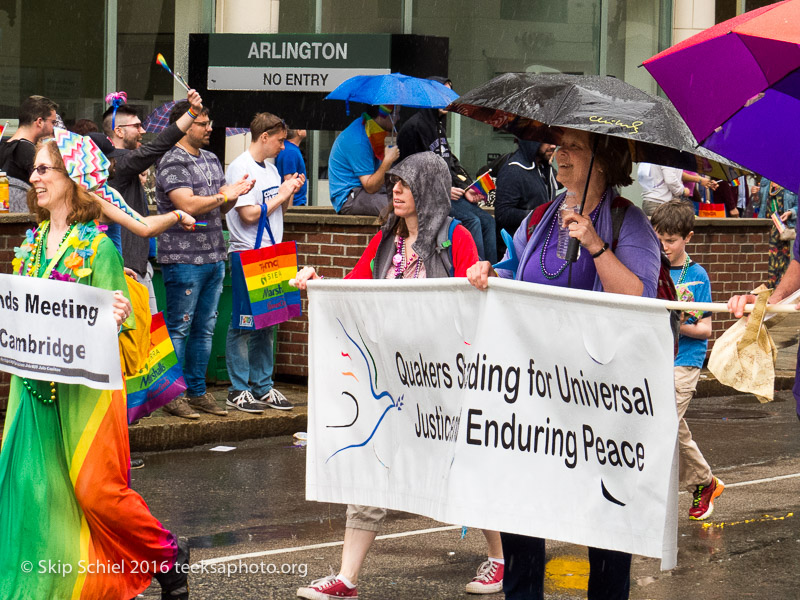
(132, 158)
(37, 115)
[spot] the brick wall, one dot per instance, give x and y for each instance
(733, 251)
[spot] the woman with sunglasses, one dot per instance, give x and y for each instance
(408, 246)
(64, 465)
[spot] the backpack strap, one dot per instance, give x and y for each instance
(444, 244)
(619, 206)
(536, 217)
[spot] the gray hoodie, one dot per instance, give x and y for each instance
(428, 177)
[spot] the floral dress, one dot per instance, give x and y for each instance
(70, 525)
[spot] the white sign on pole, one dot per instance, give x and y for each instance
(58, 331)
(528, 409)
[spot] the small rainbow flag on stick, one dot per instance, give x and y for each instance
(3, 130)
(483, 185)
(162, 62)
(161, 380)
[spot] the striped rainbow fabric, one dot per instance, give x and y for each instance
(483, 185)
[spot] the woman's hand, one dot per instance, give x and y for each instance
(302, 277)
(785, 216)
(122, 308)
(479, 273)
(580, 227)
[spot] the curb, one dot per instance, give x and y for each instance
(166, 432)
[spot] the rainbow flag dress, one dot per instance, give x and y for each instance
(70, 525)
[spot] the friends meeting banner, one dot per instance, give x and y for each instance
(525, 408)
(58, 331)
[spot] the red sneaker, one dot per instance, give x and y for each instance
(489, 579)
(327, 588)
(703, 499)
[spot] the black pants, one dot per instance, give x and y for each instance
(523, 577)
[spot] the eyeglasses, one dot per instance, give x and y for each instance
(137, 125)
(42, 169)
(204, 124)
(394, 180)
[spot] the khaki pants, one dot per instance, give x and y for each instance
(694, 469)
(365, 517)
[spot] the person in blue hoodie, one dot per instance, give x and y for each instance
(524, 182)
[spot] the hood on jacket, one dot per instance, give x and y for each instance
(428, 177)
(529, 149)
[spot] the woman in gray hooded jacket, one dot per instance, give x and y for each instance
(411, 244)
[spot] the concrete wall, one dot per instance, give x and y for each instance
(734, 251)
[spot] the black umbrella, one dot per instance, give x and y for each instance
(535, 107)
(538, 107)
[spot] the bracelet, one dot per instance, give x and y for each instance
(178, 214)
(191, 113)
(599, 252)
(224, 198)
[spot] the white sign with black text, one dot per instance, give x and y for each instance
(58, 331)
(526, 408)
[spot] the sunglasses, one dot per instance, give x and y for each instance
(43, 169)
(394, 180)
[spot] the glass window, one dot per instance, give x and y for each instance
(48, 50)
(536, 36)
(362, 16)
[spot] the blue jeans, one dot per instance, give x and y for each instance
(193, 293)
(248, 355)
(523, 577)
(480, 224)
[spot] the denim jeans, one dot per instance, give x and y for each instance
(248, 355)
(192, 293)
(480, 224)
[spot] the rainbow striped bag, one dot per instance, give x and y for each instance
(260, 278)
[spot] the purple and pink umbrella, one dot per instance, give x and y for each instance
(737, 86)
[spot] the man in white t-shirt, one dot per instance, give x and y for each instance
(248, 353)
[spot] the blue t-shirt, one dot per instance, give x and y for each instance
(691, 351)
(290, 161)
(351, 157)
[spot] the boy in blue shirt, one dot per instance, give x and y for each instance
(673, 222)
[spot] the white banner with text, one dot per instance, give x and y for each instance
(525, 408)
(58, 331)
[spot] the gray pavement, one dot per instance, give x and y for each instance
(245, 509)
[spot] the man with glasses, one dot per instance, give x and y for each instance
(37, 115)
(191, 179)
(124, 128)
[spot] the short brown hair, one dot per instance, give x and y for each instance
(614, 158)
(84, 207)
(266, 122)
(675, 217)
(35, 107)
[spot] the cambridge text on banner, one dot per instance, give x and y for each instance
(58, 331)
(528, 409)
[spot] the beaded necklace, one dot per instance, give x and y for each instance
(206, 173)
(33, 271)
(558, 273)
(399, 260)
(683, 270)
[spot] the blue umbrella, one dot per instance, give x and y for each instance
(393, 89)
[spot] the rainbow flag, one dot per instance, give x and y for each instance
(161, 381)
(264, 296)
(483, 185)
(376, 136)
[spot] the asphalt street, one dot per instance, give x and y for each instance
(246, 518)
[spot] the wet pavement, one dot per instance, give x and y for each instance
(250, 501)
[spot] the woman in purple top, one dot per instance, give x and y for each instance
(631, 267)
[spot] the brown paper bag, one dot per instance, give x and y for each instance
(744, 356)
